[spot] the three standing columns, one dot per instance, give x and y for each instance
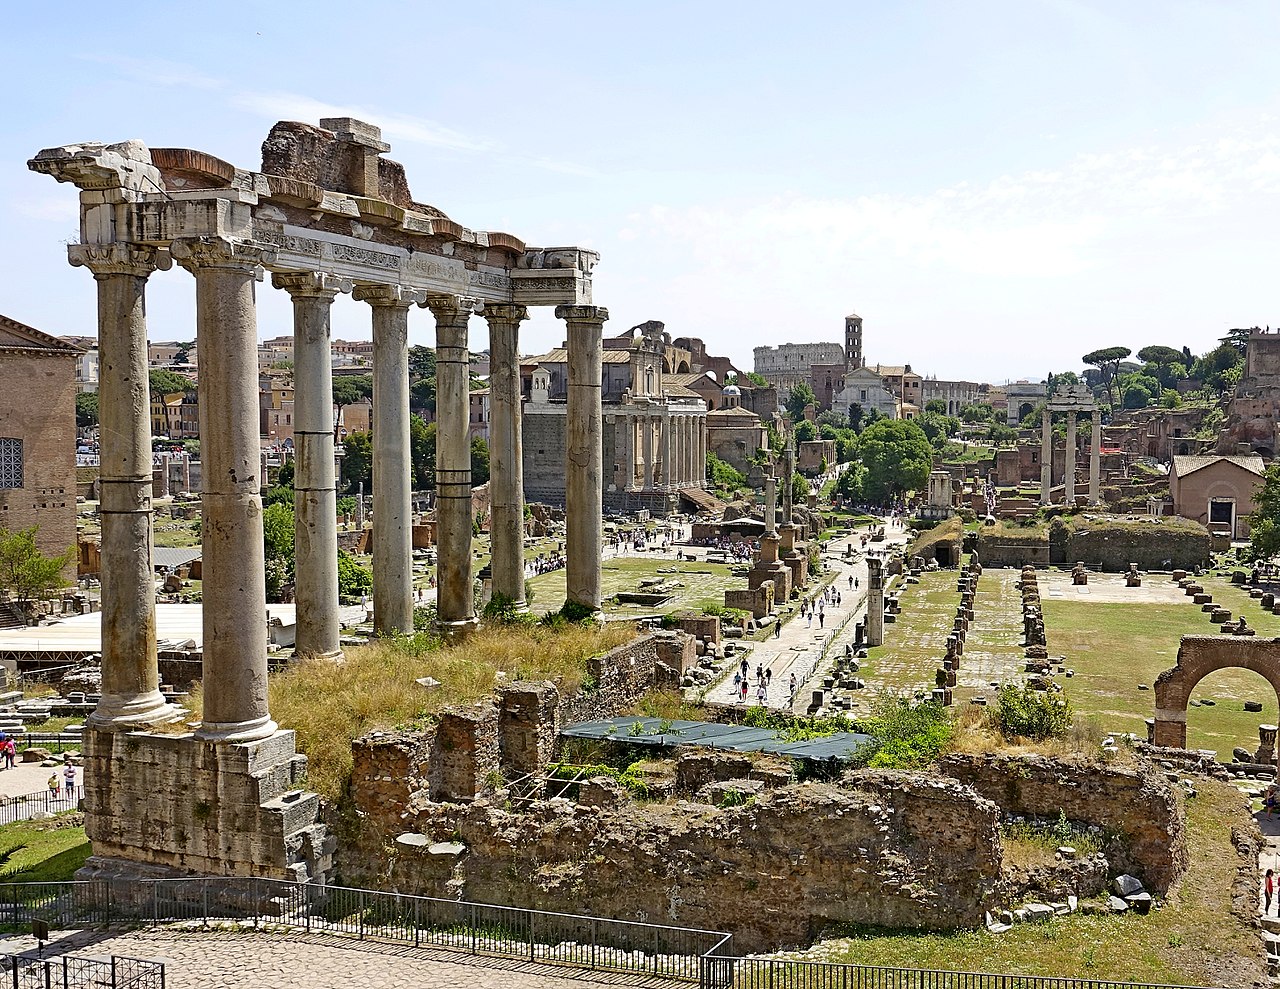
(130, 674)
(583, 493)
(506, 478)
(455, 600)
(392, 505)
(235, 593)
(315, 485)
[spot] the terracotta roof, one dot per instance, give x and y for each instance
(20, 336)
(1182, 466)
(561, 356)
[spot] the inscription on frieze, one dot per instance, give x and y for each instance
(360, 255)
(289, 242)
(433, 268)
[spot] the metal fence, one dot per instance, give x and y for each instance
(22, 807)
(79, 972)
(722, 971)
(593, 943)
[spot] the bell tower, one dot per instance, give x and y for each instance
(853, 341)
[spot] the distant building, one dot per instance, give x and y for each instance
(478, 420)
(734, 434)
(956, 394)
(1217, 491)
(38, 435)
(865, 387)
(789, 364)
(1022, 397)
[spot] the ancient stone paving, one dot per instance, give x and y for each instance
(278, 961)
(993, 650)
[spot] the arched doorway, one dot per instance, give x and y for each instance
(1202, 655)
(1024, 410)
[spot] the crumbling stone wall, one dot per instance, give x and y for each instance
(1137, 804)
(1115, 543)
(883, 848)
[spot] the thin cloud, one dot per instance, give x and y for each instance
(156, 71)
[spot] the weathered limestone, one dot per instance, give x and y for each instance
(1095, 459)
(130, 679)
(455, 601)
(506, 478)
(583, 493)
(875, 602)
(1046, 458)
(314, 483)
(235, 628)
(1070, 460)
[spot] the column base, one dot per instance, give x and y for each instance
(236, 731)
(123, 711)
(336, 656)
(454, 631)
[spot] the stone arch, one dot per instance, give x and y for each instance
(1024, 410)
(1198, 656)
(682, 367)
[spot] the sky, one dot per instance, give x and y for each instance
(996, 186)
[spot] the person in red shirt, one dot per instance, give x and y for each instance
(1268, 892)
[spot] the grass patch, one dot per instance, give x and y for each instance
(1192, 940)
(46, 851)
(704, 584)
(330, 704)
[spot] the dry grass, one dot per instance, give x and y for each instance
(330, 704)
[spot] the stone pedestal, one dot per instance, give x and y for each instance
(583, 493)
(455, 599)
(875, 602)
(1266, 754)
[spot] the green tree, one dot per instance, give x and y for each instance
(801, 395)
(1107, 361)
(164, 382)
(357, 461)
(422, 363)
(422, 453)
(354, 579)
(1064, 379)
(87, 409)
(1220, 368)
(849, 483)
(799, 488)
(977, 413)
(347, 390)
(936, 405)
(479, 462)
(806, 432)
(1264, 522)
(25, 572)
(277, 539)
(938, 427)
(897, 456)
(757, 380)
(724, 475)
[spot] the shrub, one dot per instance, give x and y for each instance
(353, 578)
(1023, 712)
(906, 736)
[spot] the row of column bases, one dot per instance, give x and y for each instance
(234, 587)
(1069, 481)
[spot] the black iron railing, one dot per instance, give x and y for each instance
(78, 972)
(21, 808)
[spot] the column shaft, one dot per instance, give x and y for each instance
(130, 676)
(315, 497)
(1095, 459)
(1046, 458)
(1069, 480)
(506, 467)
(583, 494)
(392, 466)
(455, 599)
(235, 591)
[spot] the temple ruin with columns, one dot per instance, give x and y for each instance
(327, 213)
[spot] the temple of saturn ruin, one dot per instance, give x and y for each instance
(1072, 400)
(327, 213)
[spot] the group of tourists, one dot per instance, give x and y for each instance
(545, 564)
(818, 604)
(763, 679)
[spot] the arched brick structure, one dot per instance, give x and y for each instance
(1198, 656)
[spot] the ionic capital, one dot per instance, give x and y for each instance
(139, 260)
(310, 284)
(582, 314)
(394, 296)
(195, 253)
(452, 310)
(505, 313)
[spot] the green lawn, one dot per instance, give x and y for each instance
(1192, 940)
(43, 851)
(1115, 647)
(916, 643)
(705, 584)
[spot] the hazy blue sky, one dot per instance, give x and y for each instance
(996, 187)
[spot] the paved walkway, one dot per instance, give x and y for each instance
(216, 960)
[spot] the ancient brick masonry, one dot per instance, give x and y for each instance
(1138, 804)
(885, 848)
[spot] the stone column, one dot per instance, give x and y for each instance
(625, 443)
(235, 590)
(788, 472)
(646, 440)
(1046, 458)
(1070, 460)
(455, 601)
(875, 602)
(582, 492)
(315, 486)
(130, 678)
(1095, 459)
(392, 467)
(506, 467)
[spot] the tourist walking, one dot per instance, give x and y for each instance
(761, 694)
(1268, 891)
(10, 753)
(777, 629)
(792, 687)
(742, 692)
(821, 619)
(69, 775)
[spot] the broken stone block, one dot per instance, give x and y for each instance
(1116, 905)
(1127, 885)
(1139, 902)
(1038, 912)
(1253, 707)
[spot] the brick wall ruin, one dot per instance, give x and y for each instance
(1137, 804)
